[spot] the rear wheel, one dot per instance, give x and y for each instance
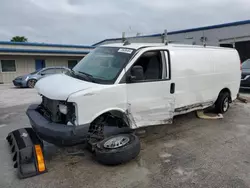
(222, 103)
(117, 149)
(31, 83)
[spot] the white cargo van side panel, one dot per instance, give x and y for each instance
(192, 72)
(227, 72)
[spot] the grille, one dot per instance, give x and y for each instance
(49, 104)
(51, 109)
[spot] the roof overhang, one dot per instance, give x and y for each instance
(32, 52)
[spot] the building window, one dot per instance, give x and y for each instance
(8, 65)
(72, 63)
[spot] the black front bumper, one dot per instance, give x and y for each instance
(55, 133)
(17, 83)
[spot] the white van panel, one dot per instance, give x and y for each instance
(95, 102)
(200, 74)
(227, 71)
(192, 72)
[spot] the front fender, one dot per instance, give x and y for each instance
(94, 102)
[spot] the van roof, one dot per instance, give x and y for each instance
(134, 45)
(172, 45)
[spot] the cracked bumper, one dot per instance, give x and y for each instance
(55, 133)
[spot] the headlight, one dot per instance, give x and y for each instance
(26, 78)
(63, 109)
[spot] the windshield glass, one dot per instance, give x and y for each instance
(104, 64)
(246, 64)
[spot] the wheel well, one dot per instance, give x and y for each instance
(31, 79)
(113, 115)
(27, 82)
(226, 90)
(109, 123)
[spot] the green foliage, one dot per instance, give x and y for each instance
(19, 39)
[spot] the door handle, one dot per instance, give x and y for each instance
(172, 88)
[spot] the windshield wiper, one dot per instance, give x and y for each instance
(89, 76)
(72, 72)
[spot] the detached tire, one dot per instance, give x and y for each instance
(109, 153)
(222, 103)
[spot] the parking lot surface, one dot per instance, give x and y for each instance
(12, 96)
(189, 153)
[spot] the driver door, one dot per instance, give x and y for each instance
(151, 100)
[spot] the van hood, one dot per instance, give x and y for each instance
(60, 86)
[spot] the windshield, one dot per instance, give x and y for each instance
(104, 64)
(246, 64)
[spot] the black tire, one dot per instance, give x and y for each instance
(118, 155)
(31, 83)
(223, 98)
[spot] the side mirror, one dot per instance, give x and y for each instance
(136, 74)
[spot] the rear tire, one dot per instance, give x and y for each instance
(222, 103)
(31, 83)
(119, 155)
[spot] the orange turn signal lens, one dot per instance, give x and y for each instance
(40, 158)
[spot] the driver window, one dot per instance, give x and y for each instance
(151, 63)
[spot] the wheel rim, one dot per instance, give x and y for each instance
(225, 104)
(116, 142)
(32, 83)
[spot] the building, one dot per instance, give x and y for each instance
(18, 58)
(235, 34)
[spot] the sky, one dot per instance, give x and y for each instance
(89, 21)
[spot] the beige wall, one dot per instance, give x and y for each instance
(26, 64)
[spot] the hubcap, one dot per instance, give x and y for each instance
(225, 104)
(116, 142)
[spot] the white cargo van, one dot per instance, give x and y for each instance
(121, 87)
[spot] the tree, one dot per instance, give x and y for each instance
(19, 39)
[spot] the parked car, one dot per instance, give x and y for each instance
(30, 80)
(245, 75)
(119, 88)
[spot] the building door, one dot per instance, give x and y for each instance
(40, 63)
(243, 48)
